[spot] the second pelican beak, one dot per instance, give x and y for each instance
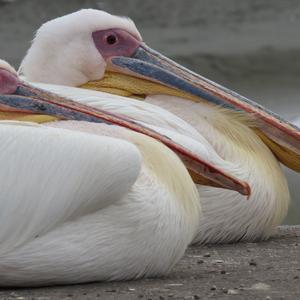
(149, 72)
(25, 99)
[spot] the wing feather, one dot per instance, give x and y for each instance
(138, 110)
(51, 175)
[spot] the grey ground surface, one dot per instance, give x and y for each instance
(265, 270)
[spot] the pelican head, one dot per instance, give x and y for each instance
(96, 50)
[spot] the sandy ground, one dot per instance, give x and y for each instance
(266, 270)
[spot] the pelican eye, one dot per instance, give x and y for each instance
(111, 39)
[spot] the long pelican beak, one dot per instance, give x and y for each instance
(149, 72)
(25, 99)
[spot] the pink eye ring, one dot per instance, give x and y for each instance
(115, 42)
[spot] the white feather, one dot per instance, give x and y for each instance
(7, 66)
(78, 207)
(228, 216)
(152, 116)
(143, 112)
(44, 189)
(71, 36)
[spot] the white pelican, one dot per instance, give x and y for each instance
(97, 202)
(96, 50)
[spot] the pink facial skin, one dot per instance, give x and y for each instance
(8, 82)
(115, 42)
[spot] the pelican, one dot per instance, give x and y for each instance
(96, 50)
(93, 197)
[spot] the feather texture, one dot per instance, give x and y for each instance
(226, 216)
(222, 137)
(78, 59)
(82, 206)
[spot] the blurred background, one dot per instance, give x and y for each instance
(250, 46)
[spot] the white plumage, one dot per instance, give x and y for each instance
(78, 60)
(84, 204)
(227, 218)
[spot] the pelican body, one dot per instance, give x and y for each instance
(88, 216)
(98, 200)
(106, 53)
